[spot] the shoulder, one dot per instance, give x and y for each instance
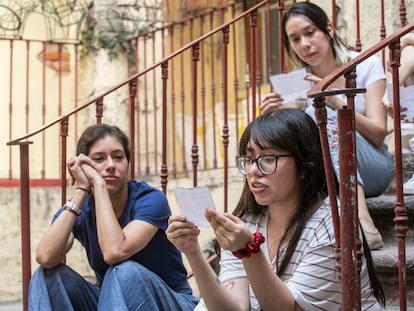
(138, 189)
(369, 70)
(147, 201)
(319, 228)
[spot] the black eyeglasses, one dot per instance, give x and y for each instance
(266, 163)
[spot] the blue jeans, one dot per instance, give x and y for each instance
(375, 166)
(127, 286)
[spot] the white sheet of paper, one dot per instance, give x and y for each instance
(291, 85)
(406, 99)
(193, 202)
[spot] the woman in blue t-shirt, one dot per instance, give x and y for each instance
(121, 224)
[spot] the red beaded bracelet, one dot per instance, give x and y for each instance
(251, 247)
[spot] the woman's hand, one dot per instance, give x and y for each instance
(75, 170)
(232, 234)
(331, 101)
(183, 234)
(271, 101)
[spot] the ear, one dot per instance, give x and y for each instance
(330, 30)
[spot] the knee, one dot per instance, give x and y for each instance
(127, 271)
(61, 270)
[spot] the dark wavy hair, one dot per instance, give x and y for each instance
(99, 131)
(293, 131)
(319, 18)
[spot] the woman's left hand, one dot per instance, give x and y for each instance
(232, 234)
(331, 101)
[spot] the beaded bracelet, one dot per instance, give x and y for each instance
(251, 247)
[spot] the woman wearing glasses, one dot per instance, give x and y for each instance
(278, 247)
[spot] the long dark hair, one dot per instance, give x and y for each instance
(319, 18)
(293, 131)
(99, 131)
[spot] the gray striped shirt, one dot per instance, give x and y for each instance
(311, 275)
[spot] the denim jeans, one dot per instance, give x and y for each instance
(375, 166)
(127, 286)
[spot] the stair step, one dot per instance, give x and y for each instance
(384, 204)
(386, 259)
(382, 208)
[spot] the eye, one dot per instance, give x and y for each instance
(310, 32)
(119, 157)
(294, 39)
(98, 158)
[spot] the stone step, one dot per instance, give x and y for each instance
(382, 208)
(386, 259)
(386, 267)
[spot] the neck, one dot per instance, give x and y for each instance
(327, 67)
(281, 214)
(119, 200)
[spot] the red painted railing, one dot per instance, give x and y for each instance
(350, 248)
(190, 82)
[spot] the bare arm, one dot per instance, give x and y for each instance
(117, 244)
(269, 289)
(373, 126)
(58, 239)
(231, 295)
(407, 63)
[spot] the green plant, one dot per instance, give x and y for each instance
(114, 42)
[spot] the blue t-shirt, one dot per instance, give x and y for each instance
(144, 203)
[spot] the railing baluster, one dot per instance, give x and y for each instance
(195, 57)
(225, 135)
(203, 97)
(132, 99)
(173, 110)
(25, 220)
(358, 46)
(64, 128)
(403, 13)
(400, 211)
(253, 59)
(99, 110)
(213, 90)
(11, 107)
(164, 167)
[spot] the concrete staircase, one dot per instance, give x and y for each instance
(386, 259)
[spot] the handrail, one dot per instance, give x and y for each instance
(329, 79)
(139, 74)
(346, 116)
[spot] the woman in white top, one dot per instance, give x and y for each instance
(311, 42)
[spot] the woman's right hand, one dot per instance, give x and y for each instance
(75, 170)
(183, 234)
(271, 101)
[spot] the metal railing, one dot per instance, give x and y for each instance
(188, 117)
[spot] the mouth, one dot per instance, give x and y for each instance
(110, 178)
(310, 55)
(256, 186)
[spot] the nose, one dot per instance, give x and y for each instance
(110, 163)
(304, 42)
(254, 169)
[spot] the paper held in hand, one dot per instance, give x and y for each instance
(292, 85)
(193, 202)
